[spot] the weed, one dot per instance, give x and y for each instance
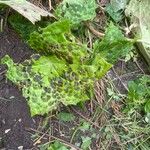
(138, 95)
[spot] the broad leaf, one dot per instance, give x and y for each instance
(49, 68)
(114, 45)
(77, 11)
(46, 83)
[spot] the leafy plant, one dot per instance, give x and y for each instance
(139, 94)
(67, 75)
(66, 117)
(67, 72)
(115, 9)
(57, 146)
(114, 45)
(77, 11)
(86, 142)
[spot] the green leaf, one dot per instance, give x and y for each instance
(115, 9)
(16, 74)
(44, 90)
(57, 39)
(53, 34)
(77, 11)
(85, 126)
(57, 146)
(86, 142)
(22, 25)
(139, 93)
(116, 16)
(147, 106)
(66, 117)
(119, 4)
(49, 68)
(114, 45)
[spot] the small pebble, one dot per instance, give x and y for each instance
(7, 130)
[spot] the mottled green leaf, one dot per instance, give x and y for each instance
(77, 11)
(49, 68)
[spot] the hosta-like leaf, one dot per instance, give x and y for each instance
(56, 39)
(77, 11)
(68, 71)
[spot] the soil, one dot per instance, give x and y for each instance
(14, 111)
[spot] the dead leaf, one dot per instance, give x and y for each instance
(27, 9)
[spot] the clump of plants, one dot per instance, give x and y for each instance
(66, 74)
(139, 97)
(65, 70)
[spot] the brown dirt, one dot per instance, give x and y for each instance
(14, 112)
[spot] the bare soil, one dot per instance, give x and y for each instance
(14, 111)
